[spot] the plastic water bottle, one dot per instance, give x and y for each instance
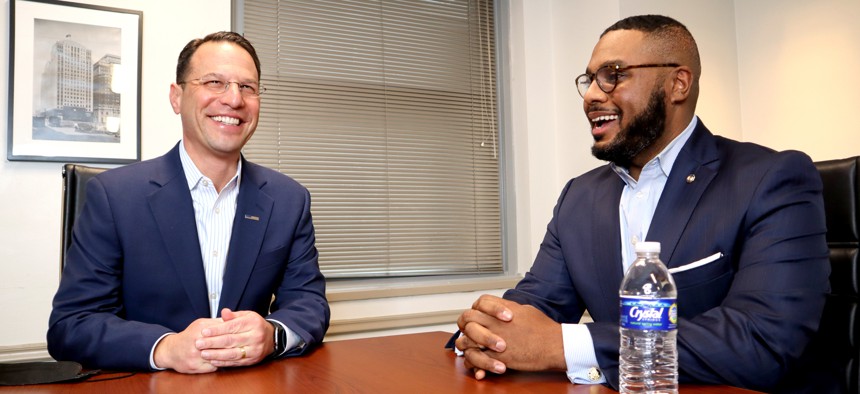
(649, 318)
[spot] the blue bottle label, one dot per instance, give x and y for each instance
(649, 314)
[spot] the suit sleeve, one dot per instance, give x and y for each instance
(86, 324)
(300, 302)
(547, 285)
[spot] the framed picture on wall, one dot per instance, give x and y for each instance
(74, 82)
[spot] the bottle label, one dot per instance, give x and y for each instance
(649, 314)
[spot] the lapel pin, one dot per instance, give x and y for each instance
(691, 178)
(252, 217)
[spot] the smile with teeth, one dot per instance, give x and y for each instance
(226, 120)
(605, 118)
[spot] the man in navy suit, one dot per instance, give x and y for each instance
(198, 259)
(741, 226)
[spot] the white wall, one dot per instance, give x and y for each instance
(30, 191)
(800, 84)
(776, 72)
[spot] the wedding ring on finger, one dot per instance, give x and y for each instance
(242, 349)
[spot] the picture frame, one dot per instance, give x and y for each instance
(74, 82)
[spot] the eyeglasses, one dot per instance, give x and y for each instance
(607, 76)
(247, 89)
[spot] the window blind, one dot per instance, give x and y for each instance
(387, 112)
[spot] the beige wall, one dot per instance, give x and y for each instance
(780, 73)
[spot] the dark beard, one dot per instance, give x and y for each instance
(642, 132)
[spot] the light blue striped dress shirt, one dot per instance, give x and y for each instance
(636, 209)
(213, 213)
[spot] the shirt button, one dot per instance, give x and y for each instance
(205, 183)
(217, 210)
(213, 296)
(214, 253)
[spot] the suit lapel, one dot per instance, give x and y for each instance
(253, 210)
(174, 213)
(694, 169)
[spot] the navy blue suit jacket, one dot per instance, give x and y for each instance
(745, 318)
(134, 270)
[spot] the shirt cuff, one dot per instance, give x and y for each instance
(152, 352)
(293, 339)
(582, 367)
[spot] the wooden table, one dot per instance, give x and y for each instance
(414, 363)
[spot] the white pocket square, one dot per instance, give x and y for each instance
(696, 264)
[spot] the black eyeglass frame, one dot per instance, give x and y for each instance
(614, 70)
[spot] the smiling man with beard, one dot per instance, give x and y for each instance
(643, 131)
(741, 225)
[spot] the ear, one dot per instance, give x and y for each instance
(682, 84)
(175, 97)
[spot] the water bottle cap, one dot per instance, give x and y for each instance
(647, 247)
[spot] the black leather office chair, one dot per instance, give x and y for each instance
(75, 177)
(831, 363)
(840, 325)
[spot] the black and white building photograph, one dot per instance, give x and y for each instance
(74, 82)
(73, 73)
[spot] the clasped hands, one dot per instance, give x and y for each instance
(499, 334)
(239, 338)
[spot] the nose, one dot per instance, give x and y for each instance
(593, 94)
(232, 96)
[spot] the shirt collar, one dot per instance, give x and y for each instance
(193, 175)
(665, 159)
